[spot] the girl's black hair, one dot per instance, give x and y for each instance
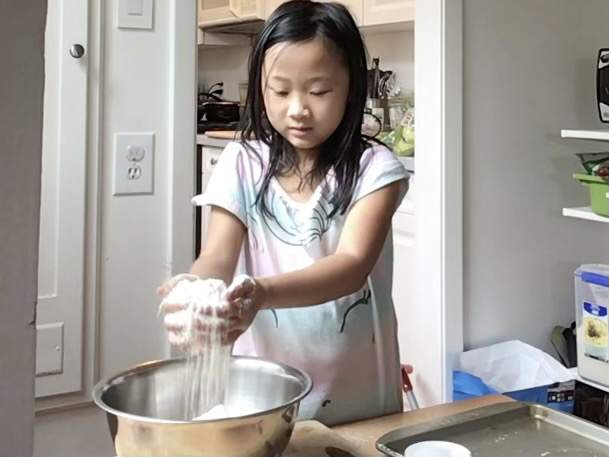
(299, 21)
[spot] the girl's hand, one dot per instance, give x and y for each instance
(185, 331)
(164, 289)
(245, 297)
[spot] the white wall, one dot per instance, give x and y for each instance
(22, 25)
(137, 246)
(229, 64)
(529, 71)
(396, 53)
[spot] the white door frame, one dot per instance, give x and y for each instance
(182, 136)
(439, 276)
(183, 129)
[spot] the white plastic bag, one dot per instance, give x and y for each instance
(512, 366)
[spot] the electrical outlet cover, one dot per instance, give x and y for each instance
(132, 176)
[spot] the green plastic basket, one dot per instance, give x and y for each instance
(599, 192)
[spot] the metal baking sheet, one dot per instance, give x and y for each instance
(507, 429)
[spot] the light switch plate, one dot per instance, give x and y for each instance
(135, 14)
(133, 163)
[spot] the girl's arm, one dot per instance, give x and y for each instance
(346, 271)
(219, 258)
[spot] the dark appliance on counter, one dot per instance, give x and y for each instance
(214, 113)
(602, 84)
(204, 126)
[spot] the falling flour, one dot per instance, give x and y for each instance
(217, 412)
(222, 411)
(207, 357)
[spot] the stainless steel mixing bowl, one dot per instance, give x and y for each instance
(145, 407)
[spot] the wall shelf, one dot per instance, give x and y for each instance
(589, 383)
(598, 134)
(584, 212)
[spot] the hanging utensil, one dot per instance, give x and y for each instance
(407, 387)
(375, 79)
(382, 90)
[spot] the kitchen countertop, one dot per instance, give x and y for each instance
(204, 140)
(360, 437)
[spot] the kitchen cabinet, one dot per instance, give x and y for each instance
(370, 12)
(230, 19)
(356, 7)
(381, 12)
(210, 156)
(271, 5)
(209, 159)
(205, 212)
(212, 13)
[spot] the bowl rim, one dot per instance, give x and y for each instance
(104, 384)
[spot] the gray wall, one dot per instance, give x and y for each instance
(529, 71)
(22, 25)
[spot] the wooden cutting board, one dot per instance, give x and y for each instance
(313, 439)
(224, 134)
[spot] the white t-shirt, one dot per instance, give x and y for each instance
(348, 346)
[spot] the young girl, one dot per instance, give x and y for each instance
(310, 202)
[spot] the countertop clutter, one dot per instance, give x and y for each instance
(205, 140)
(486, 426)
(219, 139)
(358, 439)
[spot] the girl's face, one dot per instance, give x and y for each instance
(305, 88)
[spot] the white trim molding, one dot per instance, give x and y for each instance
(182, 135)
(438, 305)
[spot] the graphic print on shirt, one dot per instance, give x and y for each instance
(297, 226)
(363, 300)
(349, 333)
(276, 317)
